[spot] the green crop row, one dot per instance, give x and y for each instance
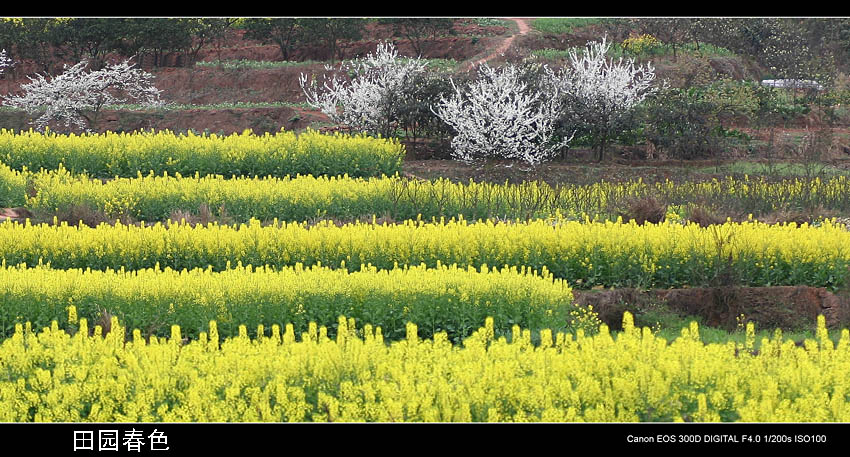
(13, 187)
(301, 198)
(158, 198)
(446, 299)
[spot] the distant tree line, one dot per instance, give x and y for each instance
(795, 48)
(50, 41)
(289, 33)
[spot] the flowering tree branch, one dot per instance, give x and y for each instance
(5, 62)
(369, 99)
(599, 92)
(76, 97)
(498, 116)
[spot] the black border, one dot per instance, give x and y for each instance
(185, 439)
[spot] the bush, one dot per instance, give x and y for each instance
(13, 187)
(644, 210)
(414, 114)
(681, 124)
(642, 44)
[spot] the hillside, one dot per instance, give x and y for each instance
(218, 96)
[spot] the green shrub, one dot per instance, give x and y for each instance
(561, 25)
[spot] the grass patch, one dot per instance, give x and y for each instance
(666, 50)
(668, 324)
(562, 25)
(551, 54)
(243, 64)
(185, 107)
(442, 65)
(784, 169)
(616, 50)
(223, 105)
(491, 22)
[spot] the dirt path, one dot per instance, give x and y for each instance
(522, 23)
(15, 214)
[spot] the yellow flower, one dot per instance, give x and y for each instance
(72, 314)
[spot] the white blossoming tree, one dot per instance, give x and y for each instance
(76, 97)
(368, 99)
(5, 62)
(599, 93)
(498, 115)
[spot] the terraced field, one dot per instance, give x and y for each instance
(309, 275)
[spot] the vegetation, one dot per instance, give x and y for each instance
(560, 26)
(308, 198)
(285, 153)
(359, 377)
(586, 254)
(306, 276)
(443, 299)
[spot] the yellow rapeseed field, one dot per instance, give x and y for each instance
(53, 376)
(585, 253)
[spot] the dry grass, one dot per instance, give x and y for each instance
(703, 216)
(104, 321)
(83, 214)
(644, 209)
(385, 219)
(203, 216)
(798, 216)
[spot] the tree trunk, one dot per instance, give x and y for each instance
(601, 153)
